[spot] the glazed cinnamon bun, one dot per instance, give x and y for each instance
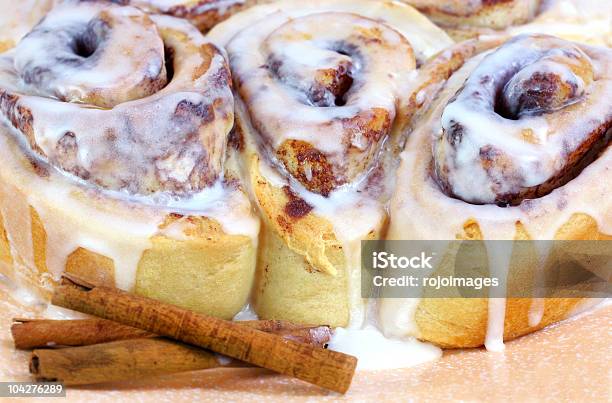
(465, 14)
(584, 21)
(16, 20)
(516, 146)
(204, 14)
(326, 89)
(115, 165)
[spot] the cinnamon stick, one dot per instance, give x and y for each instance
(328, 369)
(43, 333)
(121, 360)
(132, 358)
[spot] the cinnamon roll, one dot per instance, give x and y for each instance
(115, 164)
(204, 14)
(325, 90)
(16, 20)
(495, 14)
(516, 146)
(584, 21)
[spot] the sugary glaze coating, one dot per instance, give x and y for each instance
(319, 121)
(116, 165)
(339, 89)
(496, 14)
(522, 126)
(578, 209)
(157, 134)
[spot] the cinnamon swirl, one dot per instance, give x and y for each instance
(325, 91)
(115, 159)
(515, 147)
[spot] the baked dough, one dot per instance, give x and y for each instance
(102, 194)
(577, 210)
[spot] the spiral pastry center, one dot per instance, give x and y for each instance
(528, 118)
(126, 101)
(89, 56)
(557, 78)
(322, 100)
(325, 76)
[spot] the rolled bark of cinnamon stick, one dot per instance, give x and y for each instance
(328, 369)
(43, 333)
(129, 357)
(121, 360)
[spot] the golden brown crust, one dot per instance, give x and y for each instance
(302, 272)
(197, 273)
(462, 322)
(5, 248)
(287, 286)
(308, 235)
(186, 273)
(6, 45)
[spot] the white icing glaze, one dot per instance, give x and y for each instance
(395, 316)
(517, 162)
(77, 214)
(499, 257)
(110, 224)
(246, 313)
(426, 39)
(297, 119)
(173, 140)
(21, 295)
(536, 310)
(350, 209)
(374, 351)
(121, 72)
(286, 72)
(420, 210)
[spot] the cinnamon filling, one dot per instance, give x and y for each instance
(322, 101)
(495, 130)
(143, 116)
